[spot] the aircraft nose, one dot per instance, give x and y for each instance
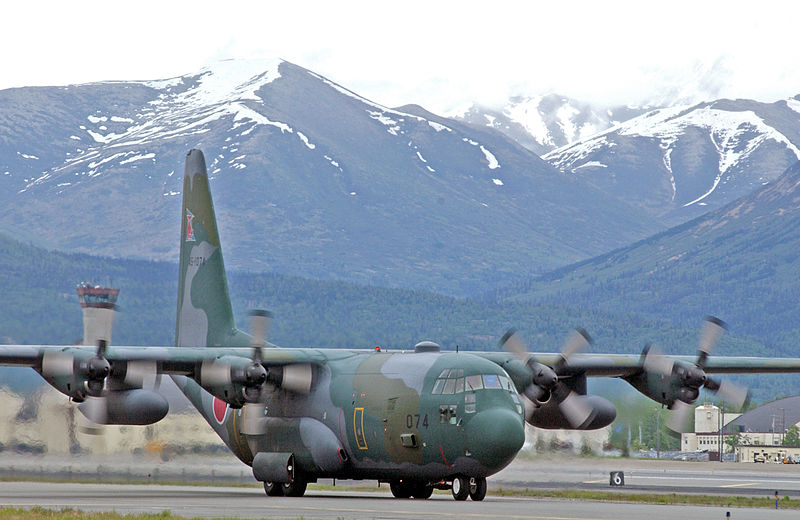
(495, 436)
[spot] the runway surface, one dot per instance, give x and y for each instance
(652, 476)
(556, 472)
(253, 503)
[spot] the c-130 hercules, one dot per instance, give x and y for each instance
(418, 420)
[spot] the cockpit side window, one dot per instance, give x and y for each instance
(506, 384)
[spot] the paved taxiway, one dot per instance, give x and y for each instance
(250, 503)
(653, 476)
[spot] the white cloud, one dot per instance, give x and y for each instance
(438, 54)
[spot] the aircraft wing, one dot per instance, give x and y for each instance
(626, 365)
(170, 360)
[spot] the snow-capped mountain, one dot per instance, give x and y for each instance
(309, 179)
(544, 123)
(682, 161)
(738, 262)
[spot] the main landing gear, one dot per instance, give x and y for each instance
(411, 488)
(462, 487)
(473, 487)
(295, 488)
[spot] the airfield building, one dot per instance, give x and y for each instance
(758, 434)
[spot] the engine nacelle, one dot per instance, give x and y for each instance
(666, 389)
(67, 371)
(130, 407)
(549, 415)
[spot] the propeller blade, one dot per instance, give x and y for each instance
(512, 342)
(529, 407)
(712, 331)
(259, 325)
(734, 395)
(57, 364)
(535, 393)
(656, 362)
(577, 341)
(141, 373)
(678, 420)
(101, 348)
(253, 422)
(94, 409)
(575, 409)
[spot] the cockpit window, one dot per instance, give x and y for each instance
(474, 383)
(452, 381)
(491, 381)
(449, 386)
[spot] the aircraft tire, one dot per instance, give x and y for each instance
(296, 488)
(400, 489)
(421, 490)
(477, 489)
(460, 488)
(273, 489)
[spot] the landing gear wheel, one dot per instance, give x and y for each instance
(477, 489)
(295, 488)
(400, 489)
(460, 488)
(273, 489)
(421, 490)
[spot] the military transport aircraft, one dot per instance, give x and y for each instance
(418, 419)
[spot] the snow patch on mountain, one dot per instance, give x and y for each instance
(528, 115)
(381, 117)
(592, 164)
(439, 127)
(490, 158)
(726, 128)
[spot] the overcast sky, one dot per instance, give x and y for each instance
(439, 54)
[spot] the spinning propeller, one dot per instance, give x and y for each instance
(255, 375)
(104, 381)
(692, 378)
(545, 383)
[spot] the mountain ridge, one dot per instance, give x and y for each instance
(309, 178)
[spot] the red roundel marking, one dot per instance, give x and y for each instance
(220, 409)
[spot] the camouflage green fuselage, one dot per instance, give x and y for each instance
(394, 415)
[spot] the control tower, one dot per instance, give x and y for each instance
(98, 305)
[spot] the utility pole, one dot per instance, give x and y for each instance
(658, 433)
(721, 424)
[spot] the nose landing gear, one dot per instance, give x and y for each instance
(473, 487)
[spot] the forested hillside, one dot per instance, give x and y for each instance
(740, 263)
(40, 306)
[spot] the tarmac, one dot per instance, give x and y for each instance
(146, 492)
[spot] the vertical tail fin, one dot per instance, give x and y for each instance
(205, 316)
